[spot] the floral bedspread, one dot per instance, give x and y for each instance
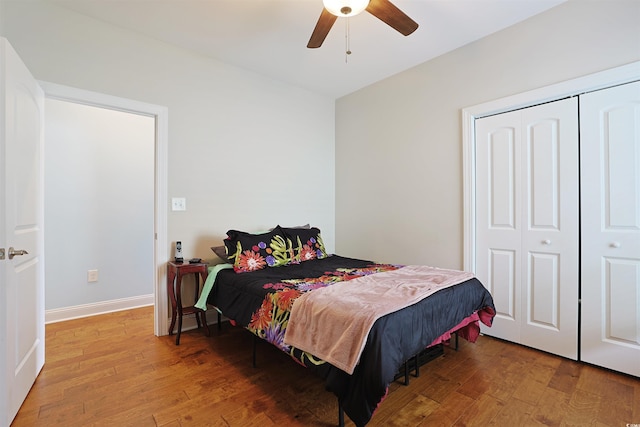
(270, 320)
(261, 302)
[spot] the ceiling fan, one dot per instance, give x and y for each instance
(384, 10)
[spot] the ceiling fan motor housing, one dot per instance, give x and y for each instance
(384, 10)
(345, 7)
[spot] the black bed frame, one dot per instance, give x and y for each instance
(412, 364)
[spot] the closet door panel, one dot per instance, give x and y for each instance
(550, 234)
(543, 286)
(543, 172)
(621, 300)
(610, 177)
(502, 279)
(543, 192)
(498, 223)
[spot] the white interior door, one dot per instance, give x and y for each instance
(21, 195)
(527, 224)
(610, 177)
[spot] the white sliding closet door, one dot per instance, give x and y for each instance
(610, 179)
(527, 224)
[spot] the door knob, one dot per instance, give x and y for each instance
(12, 252)
(614, 244)
(546, 242)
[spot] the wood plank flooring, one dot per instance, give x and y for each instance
(110, 370)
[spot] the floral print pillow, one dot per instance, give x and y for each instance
(252, 252)
(306, 244)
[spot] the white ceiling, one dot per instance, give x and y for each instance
(269, 37)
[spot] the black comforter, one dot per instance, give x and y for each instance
(260, 301)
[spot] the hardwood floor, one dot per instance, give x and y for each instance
(110, 370)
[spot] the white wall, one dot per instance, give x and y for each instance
(246, 152)
(401, 201)
(99, 204)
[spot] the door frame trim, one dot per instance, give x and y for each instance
(601, 80)
(161, 115)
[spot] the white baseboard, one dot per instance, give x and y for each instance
(86, 310)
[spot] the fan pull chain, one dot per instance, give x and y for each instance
(347, 36)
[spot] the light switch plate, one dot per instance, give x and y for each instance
(178, 204)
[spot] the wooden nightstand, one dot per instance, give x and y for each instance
(175, 273)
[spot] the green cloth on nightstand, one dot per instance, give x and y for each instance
(208, 284)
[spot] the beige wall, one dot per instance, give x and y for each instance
(246, 152)
(399, 141)
(397, 171)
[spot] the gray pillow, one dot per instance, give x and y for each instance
(221, 251)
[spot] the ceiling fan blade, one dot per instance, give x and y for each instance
(388, 13)
(325, 22)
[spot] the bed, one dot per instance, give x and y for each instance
(268, 301)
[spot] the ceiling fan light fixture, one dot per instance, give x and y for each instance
(344, 8)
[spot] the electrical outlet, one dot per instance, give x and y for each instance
(178, 204)
(92, 276)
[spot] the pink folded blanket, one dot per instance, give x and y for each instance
(333, 323)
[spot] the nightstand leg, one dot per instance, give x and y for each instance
(173, 324)
(171, 276)
(195, 297)
(204, 322)
(179, 327)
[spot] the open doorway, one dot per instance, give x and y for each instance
(105, 204)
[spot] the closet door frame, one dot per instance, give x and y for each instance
(615, 76)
